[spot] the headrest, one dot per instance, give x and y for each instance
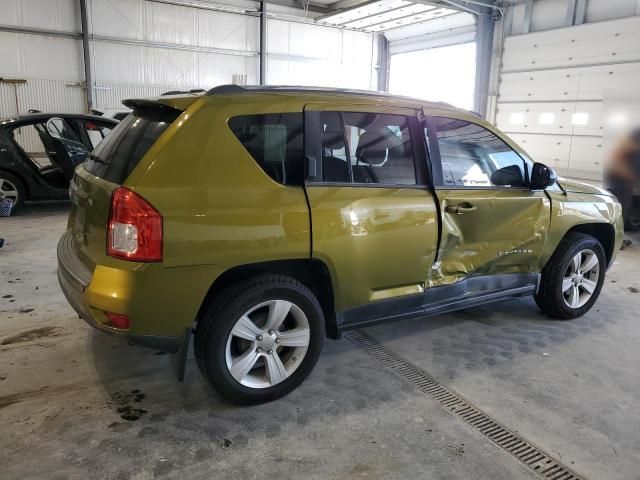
(333, 140)
(375, 147)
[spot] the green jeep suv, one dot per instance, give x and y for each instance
(261, 219)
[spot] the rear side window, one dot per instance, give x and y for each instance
(116, 157)
(275, 141)
(367, 148)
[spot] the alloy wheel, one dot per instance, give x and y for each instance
(8, 190)
(581, 278)
(267, 344)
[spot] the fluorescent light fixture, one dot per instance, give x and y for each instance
(516, 118)
(580, 118)
(546, 118)
(383, 15)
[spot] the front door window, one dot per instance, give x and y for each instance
(472, 156)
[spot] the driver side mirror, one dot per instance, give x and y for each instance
(542, 176)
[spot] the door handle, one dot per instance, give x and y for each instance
(461, 208)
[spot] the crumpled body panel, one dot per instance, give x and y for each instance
(504, 234)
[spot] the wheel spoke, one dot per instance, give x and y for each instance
(246, 329)
(574, 297)
(588, 285)
(278, 311)
(575, 262)
(590, 263)
(276, 372)
(243, 364)
(567, 282)
(298, 337)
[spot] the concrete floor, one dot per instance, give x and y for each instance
(75, 403)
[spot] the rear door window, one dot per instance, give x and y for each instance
(30, 139)
(118, 154)
(380, 148)
(367, 148)
(275, 141)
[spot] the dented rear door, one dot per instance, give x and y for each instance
(492, 223)
(374, 216)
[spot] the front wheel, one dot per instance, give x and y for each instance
(260, 338)
(572, 280)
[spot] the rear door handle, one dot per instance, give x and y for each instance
(461, 208)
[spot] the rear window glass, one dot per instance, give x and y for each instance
(116, 157)
(275, 141)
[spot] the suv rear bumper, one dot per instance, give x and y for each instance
(75, 279)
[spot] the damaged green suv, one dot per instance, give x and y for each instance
(260, 220)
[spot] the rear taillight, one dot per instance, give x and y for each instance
(134, 231)
(119, 321)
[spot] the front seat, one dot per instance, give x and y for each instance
(63, 159)
(334, 169)
(383, 155)
(49, 147)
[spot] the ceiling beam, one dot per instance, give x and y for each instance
(302, 5)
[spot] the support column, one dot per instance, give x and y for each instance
(484, 48)
(528, 15)
(263, 42)
(86, 54)
(383, 63)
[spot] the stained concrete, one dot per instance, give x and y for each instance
(75, 403)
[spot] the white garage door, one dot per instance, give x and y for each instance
(560, 94)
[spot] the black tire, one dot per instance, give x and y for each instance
(215, 325)
(550, 298)
(19, 187)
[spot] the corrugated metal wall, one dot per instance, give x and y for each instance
(301, 54)
(555, 87)
(171, 48)
(142, 48)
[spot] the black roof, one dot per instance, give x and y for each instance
(34, 117)
(239, 89)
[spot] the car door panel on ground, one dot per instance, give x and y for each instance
(364, 184)
(492, 223)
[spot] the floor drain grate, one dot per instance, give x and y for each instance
(525, 451)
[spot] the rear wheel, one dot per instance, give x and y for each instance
(260, 338)
(572, 280)
(12, 188)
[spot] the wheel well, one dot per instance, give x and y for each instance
(310, 272)
(603, 232)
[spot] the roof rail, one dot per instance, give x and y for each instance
(233, 89)
(222, 89)
(178, 92)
